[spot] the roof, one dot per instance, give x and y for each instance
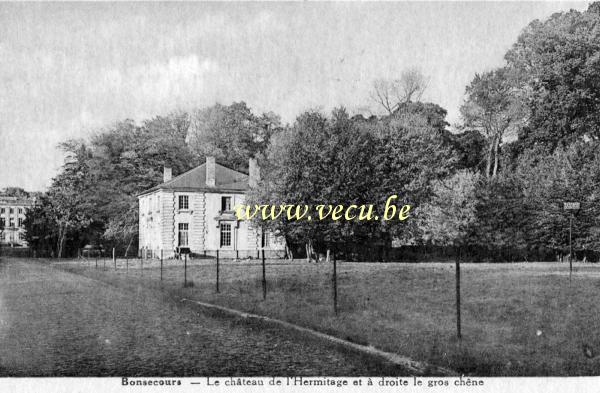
(14, 200)
(226, 180)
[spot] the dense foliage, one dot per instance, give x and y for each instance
(529, 141)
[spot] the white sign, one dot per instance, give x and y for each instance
(571, 206)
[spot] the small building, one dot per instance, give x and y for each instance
(196, 211)
(12, 216)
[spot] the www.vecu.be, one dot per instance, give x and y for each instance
(333, 212)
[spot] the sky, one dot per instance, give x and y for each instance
(69, 69)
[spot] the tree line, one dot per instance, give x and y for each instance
(527, 142)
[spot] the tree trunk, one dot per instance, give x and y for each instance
(496, 145)
(288, 251)
(61, 241)
(128, 246)
(311, 252)
(488, 166)
(58, 239)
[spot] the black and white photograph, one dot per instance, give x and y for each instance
(282, 196)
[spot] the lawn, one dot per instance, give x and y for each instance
(518, 319)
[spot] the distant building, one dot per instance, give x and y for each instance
(195, 210)
(12, 216)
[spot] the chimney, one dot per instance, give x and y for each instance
(167, 174)
(210, 172)
(254, 173)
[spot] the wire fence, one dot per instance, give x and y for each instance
(209, 268)
(378, 301)
(224, 253)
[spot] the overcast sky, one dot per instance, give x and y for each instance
(67, 69)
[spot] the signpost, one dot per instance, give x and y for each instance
(572, 207)
(458, 320)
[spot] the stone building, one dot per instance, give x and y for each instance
(195, 210)
(12, 216)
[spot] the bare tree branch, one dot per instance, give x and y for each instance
(391, 94)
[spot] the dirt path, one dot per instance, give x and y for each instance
(55, 323)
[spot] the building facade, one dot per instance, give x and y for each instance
(12, 216)
(196, 210)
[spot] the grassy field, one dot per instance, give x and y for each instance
(518, 319)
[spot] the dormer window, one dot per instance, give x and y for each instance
(225, 203)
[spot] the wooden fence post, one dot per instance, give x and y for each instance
(126, 263)
(103, 260)
(217, 271)
(458, 322)
(114, 259)
(161, 264)
(97, 259)
(142, 261)
(334, 279)
(264, 276)
(184, 270)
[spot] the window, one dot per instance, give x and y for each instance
(20, 222)
(21, 236)
(2, 222)
(150, 206)
(225, 235)
(183, 234)
(225, 204)
(184, 202)
(265, 239)
(11, 210)
(11, 222)
(20, 210)
(2, 210)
